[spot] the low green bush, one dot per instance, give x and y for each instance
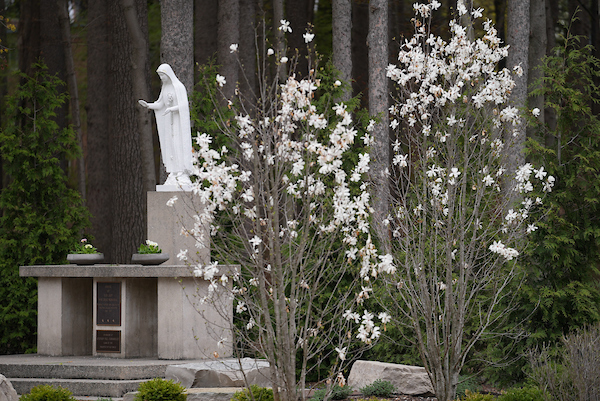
(48, 393)
(522, 394)
(258, 394)
(160, 390)
(379, 388)
(337, 393)
(472, 396)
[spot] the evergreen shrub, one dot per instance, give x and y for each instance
(160, 390)
(48, 393)
(258, 394)
(379, 388)
(41, 218)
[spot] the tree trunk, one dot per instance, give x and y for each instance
(99, 176)
(139, 71)
(177, 39)
(297, 12)
(342, 41)
(360, 69)
(537, 51)
(377, 43)
(205, 30)
(65, 29)
(229, 33)
(128, 197)
(518, 39)
(247, 49)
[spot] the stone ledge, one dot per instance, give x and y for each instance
(113, 271)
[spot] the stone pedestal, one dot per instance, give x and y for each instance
(64, 306)
(165, 225)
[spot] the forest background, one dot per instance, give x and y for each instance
(106, 51)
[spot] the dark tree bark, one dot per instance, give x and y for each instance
(98, 145)
(247, 49)
(342, 41)
(229, 33)
(65, 29)
(139, 70)
(128, 197)
(377, 43)
(205, 30)
(360, 69)
(299, 15)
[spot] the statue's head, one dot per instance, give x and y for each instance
(165, 72)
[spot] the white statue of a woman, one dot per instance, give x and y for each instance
(174, 133)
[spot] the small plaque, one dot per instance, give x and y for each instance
(108, 341)
(108, 303)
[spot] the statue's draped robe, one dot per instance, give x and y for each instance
(174, 130)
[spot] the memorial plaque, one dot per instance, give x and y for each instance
(108, 304)
(108, 341)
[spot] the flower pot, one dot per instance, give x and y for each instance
(85, 258)
(149, 258)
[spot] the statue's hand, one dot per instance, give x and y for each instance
(143, 103)
(167, 111)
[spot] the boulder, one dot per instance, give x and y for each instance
(220, 373)
(7, 392)
(409, 380)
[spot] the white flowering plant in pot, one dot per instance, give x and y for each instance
(462, 213)
(285, 200)
(149, 247)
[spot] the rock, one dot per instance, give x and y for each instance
(410, 380)
(7, 392)
(220, 373)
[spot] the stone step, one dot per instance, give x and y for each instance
(23, 366)
(80, 387)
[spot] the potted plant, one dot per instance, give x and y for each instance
(85, 254)
(149, 254)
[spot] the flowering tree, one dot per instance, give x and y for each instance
(455, 233)
(284, 200)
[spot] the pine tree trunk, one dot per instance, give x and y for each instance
(297, 12)
(342, 41)
(98, 93)
(205, 30)
(360, 69)
(177, 39)
(518, 39)
(65, 28)
(139, 71)
(229, 33)
(128, 197)
(247, 49)
(377, 43)
(537, 51)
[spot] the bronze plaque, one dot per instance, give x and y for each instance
(108, 341)
(108, 302)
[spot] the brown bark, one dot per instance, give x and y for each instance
(126, 187)
(97, 161)
(139, 71)
(342, 41)
(65, 29)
